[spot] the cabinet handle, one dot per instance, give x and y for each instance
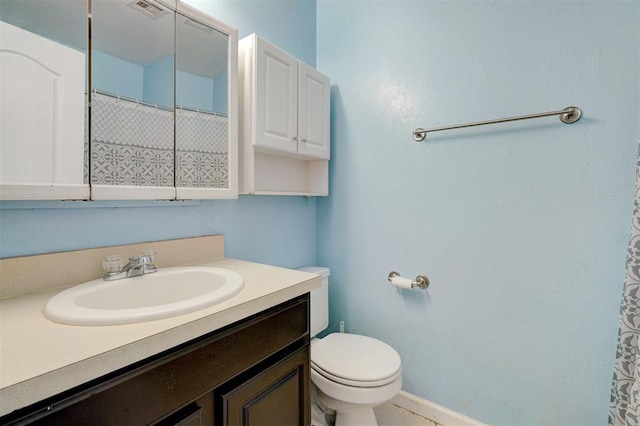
(304, 141)
(295, 138)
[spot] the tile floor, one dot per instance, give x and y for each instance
(389, 414)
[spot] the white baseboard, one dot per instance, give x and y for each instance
(433, 411)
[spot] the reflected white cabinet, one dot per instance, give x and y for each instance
(41, 118)
(284, 122)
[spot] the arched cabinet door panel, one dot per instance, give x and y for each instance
(42, 111)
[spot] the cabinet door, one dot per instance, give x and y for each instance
(206, 106)
(41, 115)
(277, 396)
(197, 413)
(132, 100)
(276, 94)
(313, 112)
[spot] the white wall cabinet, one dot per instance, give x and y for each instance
(153, 115)
(41, 118)
(284, 122)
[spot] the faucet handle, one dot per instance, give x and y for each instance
(148, 256)
(112, 263)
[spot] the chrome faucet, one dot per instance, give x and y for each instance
(144, 264)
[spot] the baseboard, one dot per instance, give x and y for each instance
(433, 411)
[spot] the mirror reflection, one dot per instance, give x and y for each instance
(202, 135)
(132, 94)
(156, 92)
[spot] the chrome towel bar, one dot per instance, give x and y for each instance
(569, 115)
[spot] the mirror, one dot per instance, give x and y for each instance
(43, 107)
(132, 98)
(141, 59)
(202, 91)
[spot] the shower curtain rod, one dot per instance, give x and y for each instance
(569, 115)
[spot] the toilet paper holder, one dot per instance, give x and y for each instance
(421, 281)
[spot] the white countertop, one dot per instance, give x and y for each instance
(40, 358)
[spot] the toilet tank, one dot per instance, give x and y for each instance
(319, 300)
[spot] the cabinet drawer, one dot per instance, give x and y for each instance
(150, 390)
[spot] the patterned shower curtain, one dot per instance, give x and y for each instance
(625, 393)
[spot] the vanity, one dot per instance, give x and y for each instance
(245, 360)
(148, 110)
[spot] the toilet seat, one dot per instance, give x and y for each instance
(355, 360)
(352, 394)
(355, 383)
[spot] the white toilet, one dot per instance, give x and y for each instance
(351, 374)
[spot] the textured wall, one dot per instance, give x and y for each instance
(521, 227)
(289, 24)
(274, 230)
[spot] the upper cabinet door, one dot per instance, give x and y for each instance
(276, 98)
(42, 107)
(313, 112)
(206, 106)
(132, 99)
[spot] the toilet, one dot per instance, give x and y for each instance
(350, 374)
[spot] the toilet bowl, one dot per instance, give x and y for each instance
(350, 373)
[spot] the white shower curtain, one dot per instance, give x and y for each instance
(625, 392)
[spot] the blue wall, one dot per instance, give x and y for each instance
(159, 82)
(220, 99)
(114, 75)
(150, 83)
(194, 91)
(521, 227)
(204, 93)
(289, 24)
(276, 230)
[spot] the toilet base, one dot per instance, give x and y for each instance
(356, 416)
(341, 413)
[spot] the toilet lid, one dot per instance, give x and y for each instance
(355, 360)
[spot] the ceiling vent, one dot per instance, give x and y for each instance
(148, 8)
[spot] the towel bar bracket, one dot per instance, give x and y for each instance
(572, 116)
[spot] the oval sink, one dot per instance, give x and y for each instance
(162, 294)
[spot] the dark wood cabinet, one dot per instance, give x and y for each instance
(277, 395)
(254, 372)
